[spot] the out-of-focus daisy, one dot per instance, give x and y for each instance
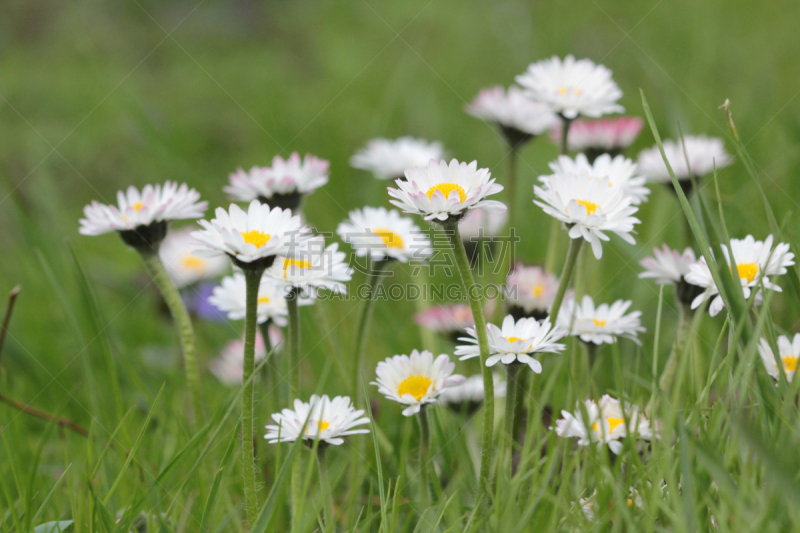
(788, 353)
(601, 324)
(755, 262)
(383, 234)
(449, 320)
(184, 268)
(605, 136)
(324, 418)
(620, 171)
(670, 267)
(518, 117)
(415, 380)
(230, 297)
(228, 367)
(478, 229)
(531, 292)
(572, 87)
(141, 217)
(281, 185)
(606, 424)
(703, 154)
(440, 190)
(312, 267)
(471, 391)
(388, 159)
(251, 238)
(589, 207)
(517, 341)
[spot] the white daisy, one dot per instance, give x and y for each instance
(703, 154)
(755, 262)
(788, 352)
(259, 234)
(450, 320)
(531, 291)
(589, 207)
(312, 267)
(512, 110)
(471, 391)
(388, 159)
(606, 424)
(601, 324)
(230, 297)
(620, 171)
(184, 268)
(384, 234)
(281, 185)
(321, 418)
(479, 223)
(515, 342)
(439, 191)
(571, 88)
(595, 137)
(228, 367)
(668, 266)
(415, 380)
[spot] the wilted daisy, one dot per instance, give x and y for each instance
(388, 159)
(606, 424)
(281, 185)
(620, 171)
(755, 262)
(601, 324)
(518, 117)
(313, 266)
(517, 341)
(141, 217)
(231, 297)
(449, 320)
(704, 153)
(604, 136)
(440, 190)
(228, 367)
(383, 234)
(322, 418)
(415, 380)
(589, 207)
(531, 292)
(185, 268)
(670, 267)
(571, 88)
(471, 391)
(788, 352)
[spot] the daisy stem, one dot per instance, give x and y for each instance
(520, 416)
(253, 281)
(512, 386)
(566, 274)
(512, 185)
(294, 390)
(487, 447)
(376, 274)
(271, 368)
(565, 124)
(183, 323)
(673, 362)
(552, 245)
(424, 455)
(327, 490)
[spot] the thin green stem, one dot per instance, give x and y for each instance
(325, 486)
(512, 389)
(520, 418)
(565, 124)
(294, 391)
(183, 324)
(555, 225)
(424, 457)
(512, 186)
(566, 274)
(376, 274)
(678, 349)
(270, 369)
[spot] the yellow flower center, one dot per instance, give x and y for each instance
(416, 386)
(191, 262)
(446, 189)
(389, 238)
(747, 271)
(263, 300)
(599, 323)
(613, 423)
(255, 237)
(138, 205)
(538, 290)
(322, 425)
(563, 91)
(299, 263)
(790, 363)
(591, 207)
(630, 502)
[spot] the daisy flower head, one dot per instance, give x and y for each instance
(601, 324)
(703, 153)
(605, 136)
(184, 268)
(517, 341)
(415, 380)
(311, 267)
(251, 238)
(383, 234)
(442, 191)
(788, 352)
(228, 367)
(670, 267)
(531, 292)
(755, 262)
(572, 87)
(141, 217)
(470, 392)
(389, 159)
(620, 171)
(449, 320)
(589, 207)
(518, 117)
(322, 418)
(230, 297)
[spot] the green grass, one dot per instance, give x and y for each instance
(95, 96)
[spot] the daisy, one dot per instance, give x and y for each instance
(601, 324)
(516, 341)
(670, 267)
(228, 367)
(184, 268)
(788, 352)
(571, 88)
(449, 320)
(589, 207)
(518, 117)
(416, 380)
(440, 191)
(281, 185)
(703, 154)
(321, 418)
(141, 217)
(383, 234)
(388, 159)
(604, 136)
(531, 292)
(755, 262)
(471, 391)
(252, 237)
(620, 171)
(606, 424)
(230, 297)
(312, 267)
